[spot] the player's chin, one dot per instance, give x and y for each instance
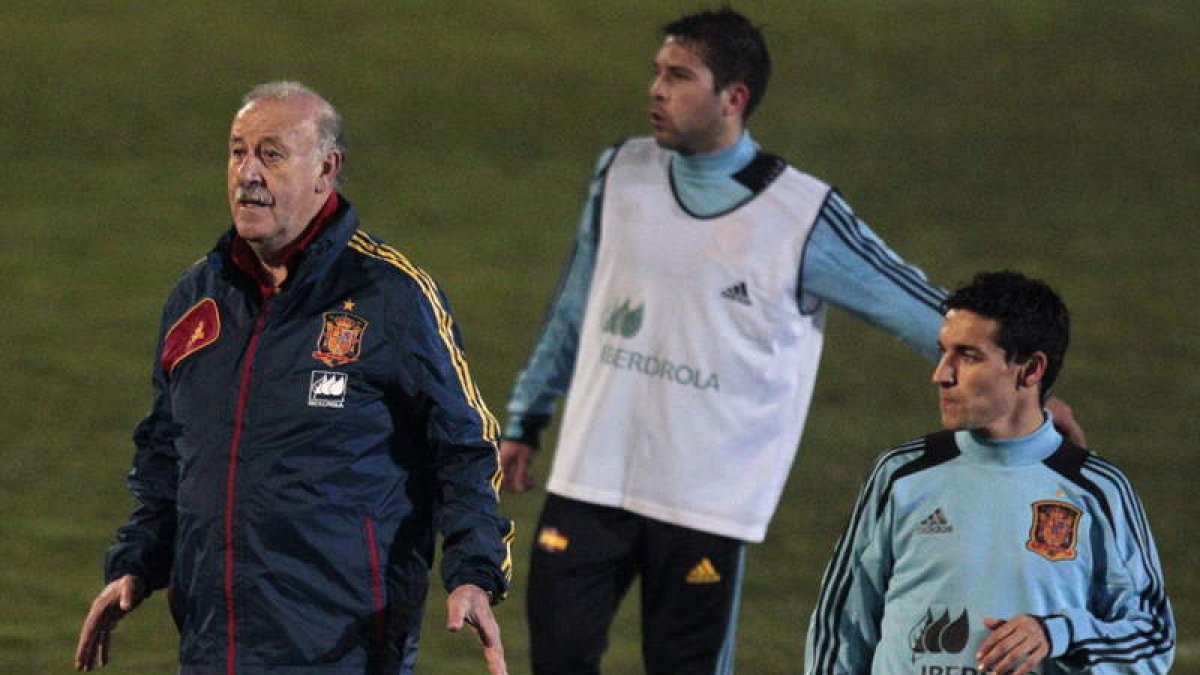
(667, 140)
(951, 420)
(253, 224)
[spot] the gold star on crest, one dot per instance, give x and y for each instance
(348, 305)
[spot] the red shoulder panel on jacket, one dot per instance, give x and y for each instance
(199, 327)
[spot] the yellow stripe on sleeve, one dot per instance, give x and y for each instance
(363, 243)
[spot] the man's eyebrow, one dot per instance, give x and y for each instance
(276, 139)
(959, 347)
(656, 63)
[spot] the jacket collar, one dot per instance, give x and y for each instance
(330, 229)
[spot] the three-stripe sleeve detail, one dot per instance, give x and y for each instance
(1157, 636)
(836, 586)
(848, 228)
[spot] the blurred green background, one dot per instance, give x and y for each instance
(1058, 138)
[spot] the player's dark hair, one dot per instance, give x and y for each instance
(1030, 315)
(731, 47)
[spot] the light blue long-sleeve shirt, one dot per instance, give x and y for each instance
(952, 528)
(844, 263)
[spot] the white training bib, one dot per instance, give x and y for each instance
(696, 364)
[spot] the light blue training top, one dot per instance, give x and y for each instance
(954, 527)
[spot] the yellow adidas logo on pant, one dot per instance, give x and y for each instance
(703, 573)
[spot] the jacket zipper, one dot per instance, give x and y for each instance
(230, 483)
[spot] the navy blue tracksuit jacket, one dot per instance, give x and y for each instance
(303, 450)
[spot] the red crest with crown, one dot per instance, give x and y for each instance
(1055, 530)
(341, 338)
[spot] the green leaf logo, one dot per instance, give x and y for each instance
(624, 321)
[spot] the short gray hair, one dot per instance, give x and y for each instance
(329, 123)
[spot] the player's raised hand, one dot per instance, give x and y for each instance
(95, 637)
(469, 605)
(515, 459)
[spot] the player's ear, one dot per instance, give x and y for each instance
(734, 98)
(1033, 370)
(331, 166)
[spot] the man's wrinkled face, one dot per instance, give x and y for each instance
(277, 178)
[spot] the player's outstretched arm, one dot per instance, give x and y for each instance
(470, 605)
(118, 598)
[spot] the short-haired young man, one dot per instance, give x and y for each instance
(995, 545)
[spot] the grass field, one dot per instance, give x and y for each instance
(1056, 138)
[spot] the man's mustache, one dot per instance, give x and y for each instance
(253, 194)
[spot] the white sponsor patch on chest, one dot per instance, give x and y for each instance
(327, 389)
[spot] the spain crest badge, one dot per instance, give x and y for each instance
(1055, 530)
(552, 541)
(341, 338)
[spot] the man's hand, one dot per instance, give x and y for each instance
(1064, 420)
(515, 458)
(469, 605)
(1015, 646)
(110, 606)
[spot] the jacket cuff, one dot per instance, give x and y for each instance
(120, 560)
(1058, 632)
(526, 429)
(496, 593)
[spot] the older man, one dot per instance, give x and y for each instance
(314, 427)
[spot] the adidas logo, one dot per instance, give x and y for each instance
(737, 293)
(935, 523)
(703, 573)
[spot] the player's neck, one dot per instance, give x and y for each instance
(728, 159)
